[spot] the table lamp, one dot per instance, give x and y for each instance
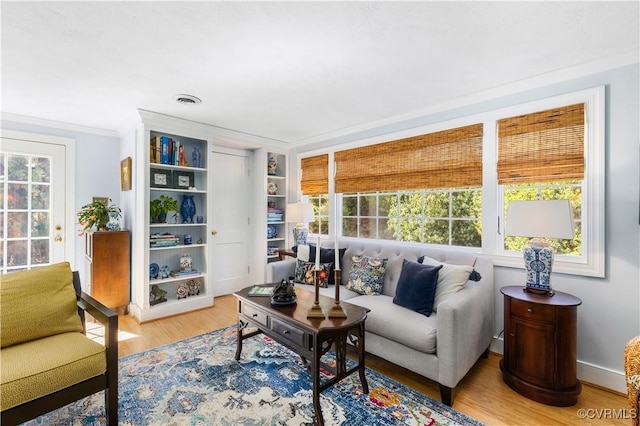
(300, 213)
(539, 219)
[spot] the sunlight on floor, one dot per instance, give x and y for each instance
(95, 331)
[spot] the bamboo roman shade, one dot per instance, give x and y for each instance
(543, 146)
(446, 159)
(315, 175)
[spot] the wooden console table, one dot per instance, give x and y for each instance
(540, 346)
(309, 338)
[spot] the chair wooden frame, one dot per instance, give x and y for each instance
(107, 381)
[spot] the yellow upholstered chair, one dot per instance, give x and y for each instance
(632, 374)
(47, 359)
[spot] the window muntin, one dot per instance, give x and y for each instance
(448, 217)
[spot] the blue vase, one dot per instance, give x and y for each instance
(188, 209)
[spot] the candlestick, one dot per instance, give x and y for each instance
(318, 254)
(336, 310)
(315, 311)
(337, 251)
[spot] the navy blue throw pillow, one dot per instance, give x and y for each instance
(326, 256)
(416, 288)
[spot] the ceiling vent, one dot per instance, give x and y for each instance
(188, 100)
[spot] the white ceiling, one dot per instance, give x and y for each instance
(289, 71)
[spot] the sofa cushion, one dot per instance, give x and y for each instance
(54, 363)
(37, 303)
(345, 293)
(398, 324)
(366, 274)
(417, 287)
(304, 272)
(451, 278)
(327, 255)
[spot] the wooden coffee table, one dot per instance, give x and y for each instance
(309, 338)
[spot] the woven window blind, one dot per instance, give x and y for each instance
(446, 159)
(315, 175)
(543, 146)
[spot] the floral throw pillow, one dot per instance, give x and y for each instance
(304, 272)
(366, 274)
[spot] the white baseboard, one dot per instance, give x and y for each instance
(600, 376)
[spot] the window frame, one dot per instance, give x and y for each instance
(592, 261)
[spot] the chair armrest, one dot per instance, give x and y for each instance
(281, 270)
(104, 315)
(284, 252)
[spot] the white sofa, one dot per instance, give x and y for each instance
(442, 347)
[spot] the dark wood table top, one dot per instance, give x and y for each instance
(299, 310)
(558, 299)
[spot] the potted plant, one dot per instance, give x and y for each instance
(159, 208)
(96, 214)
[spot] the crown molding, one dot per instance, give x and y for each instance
(24, 119)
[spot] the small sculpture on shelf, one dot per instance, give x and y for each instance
(195, 156)
(157, 295)
(272, 166)
(188, 209)
(182, 291)
(194, 287)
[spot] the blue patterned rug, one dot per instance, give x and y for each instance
(198, 382)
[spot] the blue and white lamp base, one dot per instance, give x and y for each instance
(538, 261)
(300, 236)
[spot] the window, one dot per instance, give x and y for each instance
(315, 186)
(559, 154)
(321, 210)
(448, 217)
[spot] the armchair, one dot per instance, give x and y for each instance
(47, 359)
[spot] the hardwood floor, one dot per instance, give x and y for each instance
(481, 395)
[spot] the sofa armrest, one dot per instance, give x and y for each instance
(464, 328)
(281, 270)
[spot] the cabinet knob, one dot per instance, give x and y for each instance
(57, 239)
(285, 332)
(214, 232)
(530, 310)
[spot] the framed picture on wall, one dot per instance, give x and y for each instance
(125, 174)
(182, 179)
(160, 178)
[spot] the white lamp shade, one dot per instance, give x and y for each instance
(299, 213)
(540, 219)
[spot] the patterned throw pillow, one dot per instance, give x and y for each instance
(366, 274)
(304, 272)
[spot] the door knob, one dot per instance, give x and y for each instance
(57, 239)
(58, 227)
(214, 232)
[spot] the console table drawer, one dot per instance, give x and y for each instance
(532, 311)
(285, 330)
(255, 314)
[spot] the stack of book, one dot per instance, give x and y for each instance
(165, 150)
(274, 214)
(163, 240)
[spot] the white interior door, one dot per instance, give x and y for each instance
(35, 229)
(229, 230)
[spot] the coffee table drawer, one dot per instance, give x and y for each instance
(287, 331)
(256, 315)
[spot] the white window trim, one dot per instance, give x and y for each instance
(592, 263)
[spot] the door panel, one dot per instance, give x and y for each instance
(33, 222)
(230, 207)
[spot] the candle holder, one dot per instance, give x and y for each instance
(336, 310)
(315, 311)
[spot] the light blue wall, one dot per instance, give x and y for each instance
(610, 312)
(97, 172)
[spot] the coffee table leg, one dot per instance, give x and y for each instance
(240, 327)
(315, 377)
(361, 352)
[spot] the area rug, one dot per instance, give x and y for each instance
(197, 381)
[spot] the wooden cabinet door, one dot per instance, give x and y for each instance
(532, 351)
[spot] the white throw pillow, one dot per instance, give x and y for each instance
(303, 253)
(451, 279)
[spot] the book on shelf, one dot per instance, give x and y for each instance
(180, 273)
(163, 240)
(257, 290)
(164, 151)
(154, 149)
